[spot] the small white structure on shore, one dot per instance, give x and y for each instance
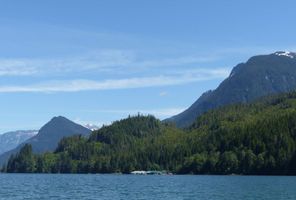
(150, 172)
(139, 172)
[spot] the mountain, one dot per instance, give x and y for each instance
(10, 140)
(49, 136)
(91, 127)
(260, 76)
(256, 138)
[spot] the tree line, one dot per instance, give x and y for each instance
(257, 138)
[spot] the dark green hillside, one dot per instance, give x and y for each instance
(257, 138)
(127, 130)
(140, 142)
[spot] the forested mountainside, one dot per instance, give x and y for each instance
(255, 138)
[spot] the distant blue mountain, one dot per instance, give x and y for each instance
(49, 136)
(10, 140)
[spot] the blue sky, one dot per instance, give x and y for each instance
(99, 61)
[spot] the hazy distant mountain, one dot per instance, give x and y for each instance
(49, 135)
(259, 76)
(10, 140)
(92, 127)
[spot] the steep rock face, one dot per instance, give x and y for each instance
(49, 136)
(259, 76)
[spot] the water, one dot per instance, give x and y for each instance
(47, 186)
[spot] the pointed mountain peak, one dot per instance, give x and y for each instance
(62, 126)
(49, 136)
(59, 118)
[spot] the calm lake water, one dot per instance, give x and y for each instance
(47, 186)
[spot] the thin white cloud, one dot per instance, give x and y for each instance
(177, 78)
(175, 61)
(163, 93)
(113, 61)
(106, 60)
(16, 68)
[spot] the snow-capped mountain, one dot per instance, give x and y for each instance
(12, 139)
(92, 127)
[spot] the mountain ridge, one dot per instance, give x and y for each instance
(259, 76)
(257, 138)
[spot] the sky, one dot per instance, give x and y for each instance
(97, 61)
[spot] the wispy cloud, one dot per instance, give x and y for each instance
(104, 60)
(163, 93)
(114, 61)
(16, 68)
(178, 78)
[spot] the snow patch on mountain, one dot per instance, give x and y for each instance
(285, 53)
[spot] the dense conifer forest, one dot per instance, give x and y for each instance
(256, 138)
